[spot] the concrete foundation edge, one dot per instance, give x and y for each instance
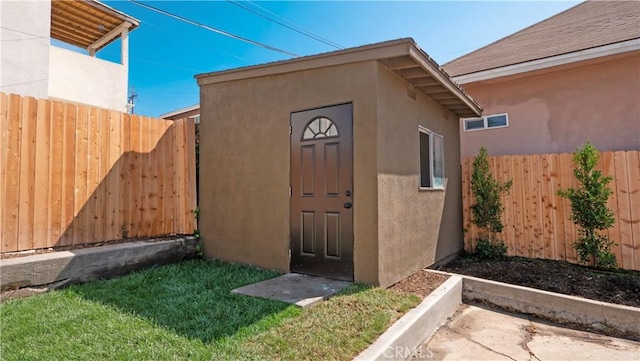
(553, 306)
(86, 264)
(407, 333)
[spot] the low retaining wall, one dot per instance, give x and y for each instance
(561, 308)
(86, 264)
(405, 335)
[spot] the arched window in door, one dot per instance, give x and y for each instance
(320, 127)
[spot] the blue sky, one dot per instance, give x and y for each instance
(165, 53)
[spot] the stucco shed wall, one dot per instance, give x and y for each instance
(245, 162)
(416, 228)
(556, 110)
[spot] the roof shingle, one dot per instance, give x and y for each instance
(587, 25)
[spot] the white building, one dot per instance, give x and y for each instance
(33, 66)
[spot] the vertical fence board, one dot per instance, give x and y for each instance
(170, 177)
(179, 144)
(145, 170)
(125, 178)
(190, 154)
(135, 174)
(93, 174)
(27, 173)
(526, 204)
(102, 190)
(558, 208)
(633, 164)
(154, 131)
(41, 192)
(608, 166)
(509, 229)
(68, 175)
(518, 204)
(80, 223)
(546, 192)
(161, 164)
(569, 230)
(12, 176)
(624, 209)
(537, 229)
(113, 176)
(55, 172)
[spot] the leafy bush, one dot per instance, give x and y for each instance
(487, 250)
(487, 211)
(589, 209)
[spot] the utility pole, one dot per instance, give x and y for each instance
(131, 99)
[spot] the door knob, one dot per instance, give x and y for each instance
(348, 205)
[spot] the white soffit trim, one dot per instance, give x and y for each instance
(611, 49)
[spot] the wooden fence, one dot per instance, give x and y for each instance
(72, 174)
(536, 218)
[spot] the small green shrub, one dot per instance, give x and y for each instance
(487, 211)
(488, 250)
(589, 209)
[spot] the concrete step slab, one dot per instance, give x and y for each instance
(300, 290)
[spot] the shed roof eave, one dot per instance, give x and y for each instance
(390, 48)
(379, 52)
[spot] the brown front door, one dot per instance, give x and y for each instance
(322, 192)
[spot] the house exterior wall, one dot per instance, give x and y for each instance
(556, 110)
(416, 228)
(245, 162)
(87, 80)
(24, 47)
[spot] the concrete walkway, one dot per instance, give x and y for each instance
(475, 333)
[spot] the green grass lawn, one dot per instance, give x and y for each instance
(186, 312)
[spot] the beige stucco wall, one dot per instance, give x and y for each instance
(24, 47)
(245, 162)
(416, 228)
(558, 109)
(87, 80)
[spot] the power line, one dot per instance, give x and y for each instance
(215, 30)
(291, 27)
(363, 41)
(164, 30)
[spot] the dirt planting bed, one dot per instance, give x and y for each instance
(620, 286)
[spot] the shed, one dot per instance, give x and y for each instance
(344, 164)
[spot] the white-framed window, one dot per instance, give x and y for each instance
(431, 159)
(486, 122)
